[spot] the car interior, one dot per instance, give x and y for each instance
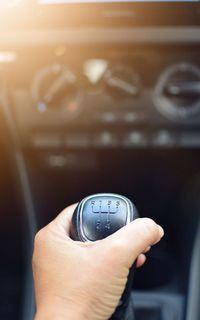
(102, 96)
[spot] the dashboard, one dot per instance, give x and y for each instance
(121, 77)
(84, 97)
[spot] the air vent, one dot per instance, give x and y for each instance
(177, 94)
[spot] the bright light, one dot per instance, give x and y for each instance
(7, 56)
(9, 3)
(94, 69)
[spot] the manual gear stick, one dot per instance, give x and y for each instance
(95, 218)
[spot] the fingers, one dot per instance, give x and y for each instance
(140, 260)
(134, 239)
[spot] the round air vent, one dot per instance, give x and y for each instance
(177, 93)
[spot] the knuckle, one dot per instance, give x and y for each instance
(40, 237)
(40, 246)
(151, 228)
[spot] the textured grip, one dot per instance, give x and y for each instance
(95, 218)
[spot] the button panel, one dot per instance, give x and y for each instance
(108, 139)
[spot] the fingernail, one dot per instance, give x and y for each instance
(161, 231)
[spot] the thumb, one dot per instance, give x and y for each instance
(133, 239)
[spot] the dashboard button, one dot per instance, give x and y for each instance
(131, 117)
(106, 139)
(46, 141)
(69, 161)
(108, 117)
(190, 140)
(135, 139)
(56, 161)
(164, 138)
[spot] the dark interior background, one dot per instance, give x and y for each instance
(12, 265)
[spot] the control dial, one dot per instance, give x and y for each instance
(122, 82)
(55, 88)
(177, 94)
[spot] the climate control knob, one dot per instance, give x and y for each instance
(55, 87)
(122, 82)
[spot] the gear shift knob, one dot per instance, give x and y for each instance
(98, 216)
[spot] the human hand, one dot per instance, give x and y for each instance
(76, 280)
